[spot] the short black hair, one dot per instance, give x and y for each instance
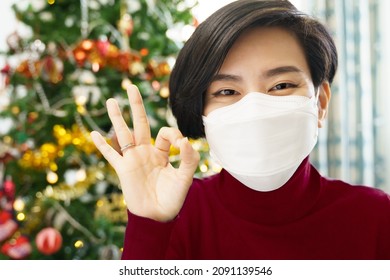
(203, 54)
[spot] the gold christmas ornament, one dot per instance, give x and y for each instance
(29, 69)
(15, 110)
(136, 68)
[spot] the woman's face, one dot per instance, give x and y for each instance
(263, 59)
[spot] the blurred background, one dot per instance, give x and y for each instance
(61, 59)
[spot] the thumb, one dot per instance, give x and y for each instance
(189, 158)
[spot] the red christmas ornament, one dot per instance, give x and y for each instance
(52, 69)
(17, 248)
(6, 201)
(6, 69)
(48, 241)
(103, 47)
(9, 188)
(7, 225)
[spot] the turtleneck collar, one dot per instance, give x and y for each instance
(291, 201)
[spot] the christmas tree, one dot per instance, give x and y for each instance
(59, 198)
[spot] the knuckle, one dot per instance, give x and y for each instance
(142, 120)
(164, 129)
(105, 148)
(122, 129)
(171, 131)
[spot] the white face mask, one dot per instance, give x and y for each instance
(261, 140)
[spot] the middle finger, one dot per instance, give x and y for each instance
(122, 131)
(140, 120)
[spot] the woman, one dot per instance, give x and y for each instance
(254, 79)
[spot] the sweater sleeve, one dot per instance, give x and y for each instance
(146, 239)
(384, 238)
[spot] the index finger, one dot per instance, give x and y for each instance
(140, 120)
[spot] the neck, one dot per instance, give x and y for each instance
(287, 203)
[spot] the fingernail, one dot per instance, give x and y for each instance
(111, 100)
(95, 137)
(130, 86)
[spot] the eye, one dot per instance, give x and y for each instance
(226, 92)
(283, 86)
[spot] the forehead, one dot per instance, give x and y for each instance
(266, 47)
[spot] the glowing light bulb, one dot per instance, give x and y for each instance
(126, 83)
(203, 168)
(79, 244)
(52, 177)
(19, 204)
(21, 217)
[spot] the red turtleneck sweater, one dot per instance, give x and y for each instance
(310, 217)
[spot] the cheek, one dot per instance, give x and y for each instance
(218, 102)
(208, 108)
(211, 106)
(305, 93)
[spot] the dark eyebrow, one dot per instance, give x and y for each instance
(282, 70)
(226, 77)
(269, 73)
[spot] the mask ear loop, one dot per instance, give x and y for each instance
(317, 96)
(316, 99)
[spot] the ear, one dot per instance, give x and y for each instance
(324, 94)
